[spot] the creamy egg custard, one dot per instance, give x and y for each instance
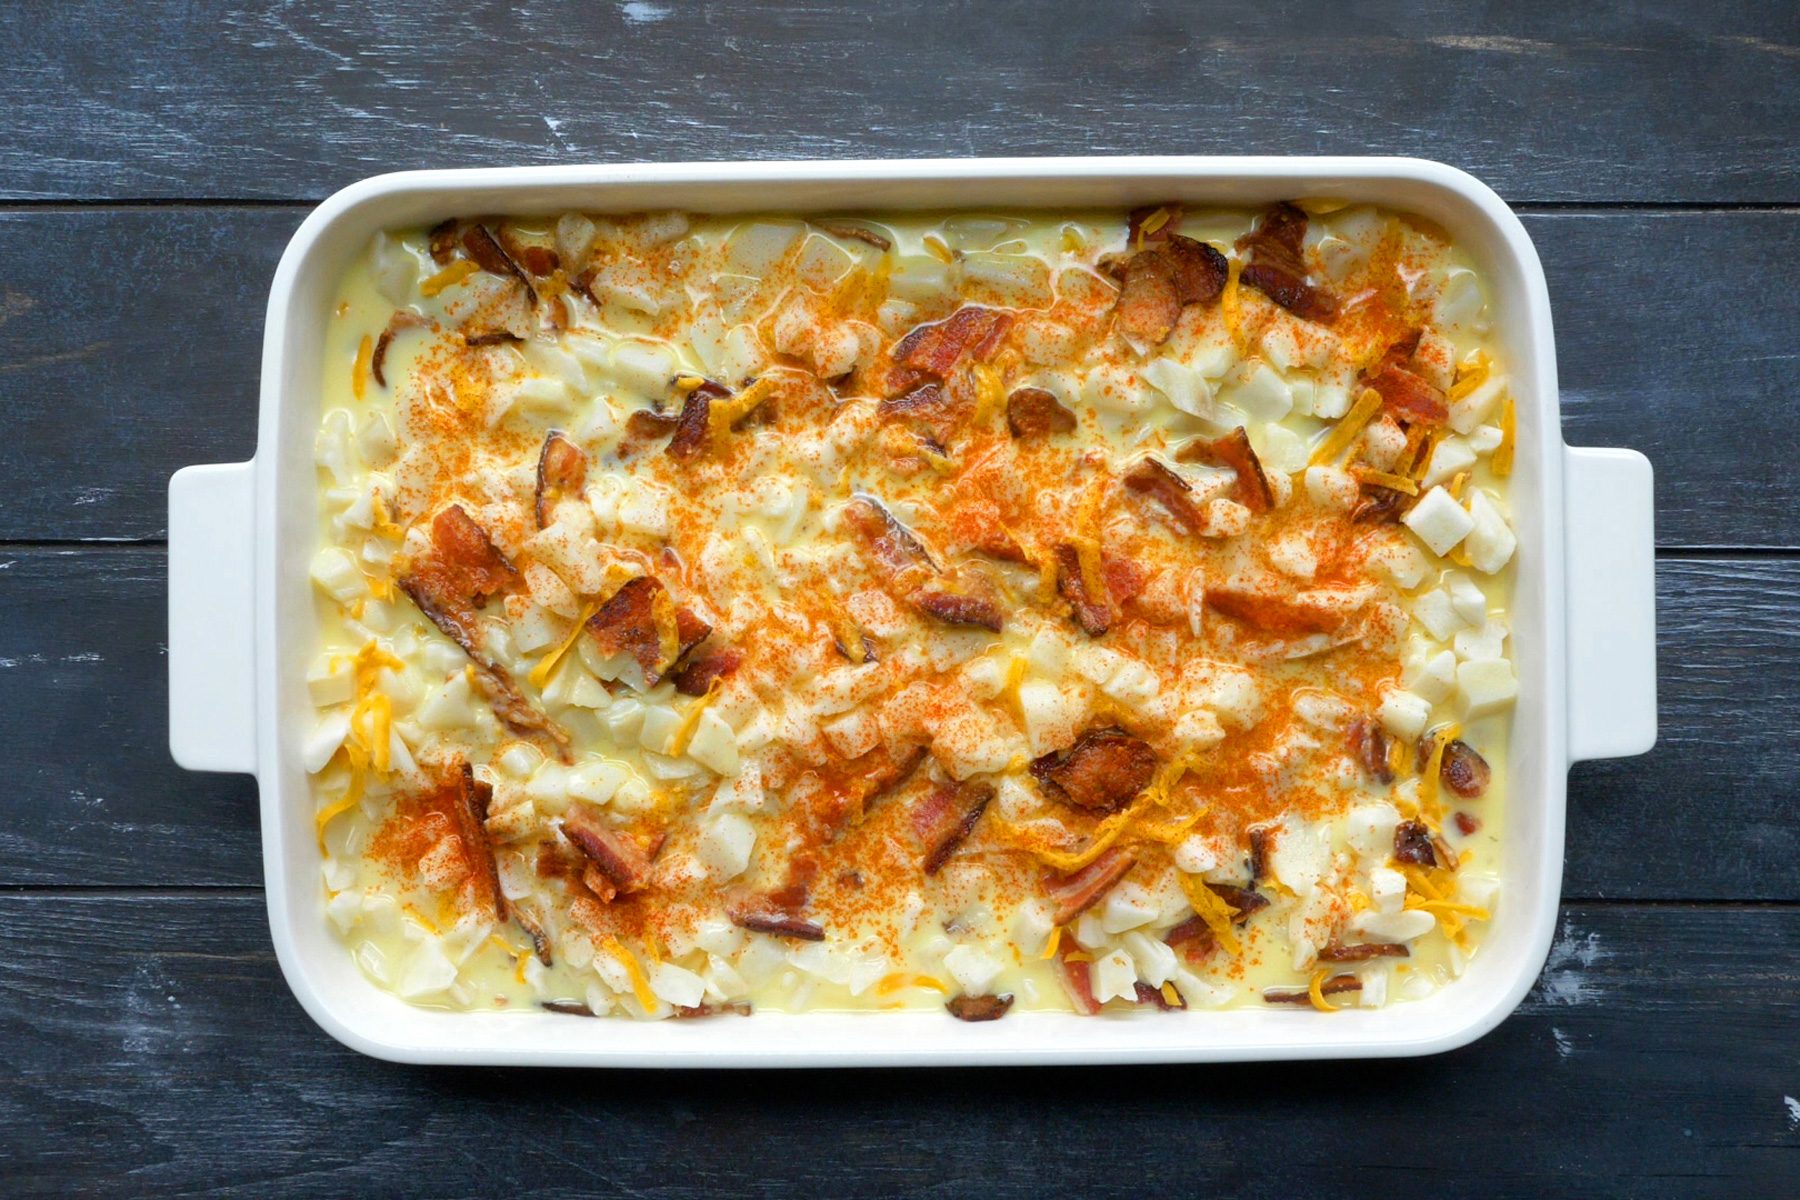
(982, 611)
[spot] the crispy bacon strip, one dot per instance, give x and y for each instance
(486, 251)
(449, 584)
(1259, 854)
(1077, 980)
(935, 349)
(1408, 396)
(734, 1009)
(562, 466)
(623, 863)
(1336, 985)
(1370, 744)
(1234, 451)
(697, 676)
(693, 428)
(1162, 483)
(1154, 997)
(627, 624)
(1075, 894)
(946, 817)
(1274, 614)
(404, 318)
(1467, 824)
(954, 598)
(1103, 771)
(470, 812)
(931, 407)
(978, 1008)
(770, 920)
(849, 229)
(977, 607)
(1464, 771)
(1033, 412)
(567, 1007)
(540, 941)
(1093, 613)
(1412, 844)
(1337, 952)
(1277, 269)
(1149, 303)
(442, 240)
(1193, 939)
(1245, 901)
(1380, 506)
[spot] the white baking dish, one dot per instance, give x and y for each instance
(241, 625)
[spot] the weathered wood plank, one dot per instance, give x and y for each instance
(133, 338)
(1661, 101)
(156, 1038)
(83, 694)
(93, 796)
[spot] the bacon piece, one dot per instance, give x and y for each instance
(1277, 268)
(1467, 825)
(1134, 223)
(1149, 303)
(1339, 953)
(936, 348)
(1274, 614)
(1102, 772)
(561, 467)
(696, 1011)
(930, 406)
(627, 624)
(1464, 771)
(1259, 854)
(492, 337)
(978, 1008)
(1077, 980)
(618, 858)
(566, 1007)
(1156, 479)
(1407, 396)
(540, 941)
(693, 428)
(946, 817)
(404, 318)
(1199, 270)
(1234, 451)
(538, 260)
(1380, 506)
(442, 240)
(1075, 894)
(972, 606)
(1370, 744)
(697, 677)
(1336, 985)
(776, 921)
(1033, 412)
(485, 250)
(449, 584)
(1154, 997)
(1093, 614)
(469, 810)
(1246, 901)
(1193, 939)
(848, 229)
(1412, 844)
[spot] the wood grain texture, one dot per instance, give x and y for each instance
(1661, 101)
(157, 1039)
(1707, 815)
(133, 338)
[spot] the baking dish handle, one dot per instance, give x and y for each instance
(1611, 560)
(212, 651)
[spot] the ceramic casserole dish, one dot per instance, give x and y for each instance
(241, 623)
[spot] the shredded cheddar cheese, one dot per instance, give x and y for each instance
(1345, 431)
(449, 277)
(1315, 991)
(1501, 464)
(690, 721)
(1399, 483)
(546, 667)
(359, 369)
(1052, 942)
(640, 983)
(1229, 302)
(1210, 907)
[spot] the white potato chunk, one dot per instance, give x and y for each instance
(1114, 977)
(1391, 928)
(1485, 685)
(1439, 521)
(1387, 889)
(1404, 713)
(973, 969)
(1491, 542)
(725, 845)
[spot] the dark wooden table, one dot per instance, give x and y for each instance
(155, 157)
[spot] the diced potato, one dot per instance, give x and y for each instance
(1435, 676)
(725, 844)
(973, 969)
(1332, 488)
(1114, 977)
(1473, 409)
(1439, 521)
(1387, 889)
(1491, 542)
(1404, 713)
(1485, 685)
(1447, 458)
(337, 575)
(1409, 924)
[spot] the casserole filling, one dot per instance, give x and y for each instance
(981, 612)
